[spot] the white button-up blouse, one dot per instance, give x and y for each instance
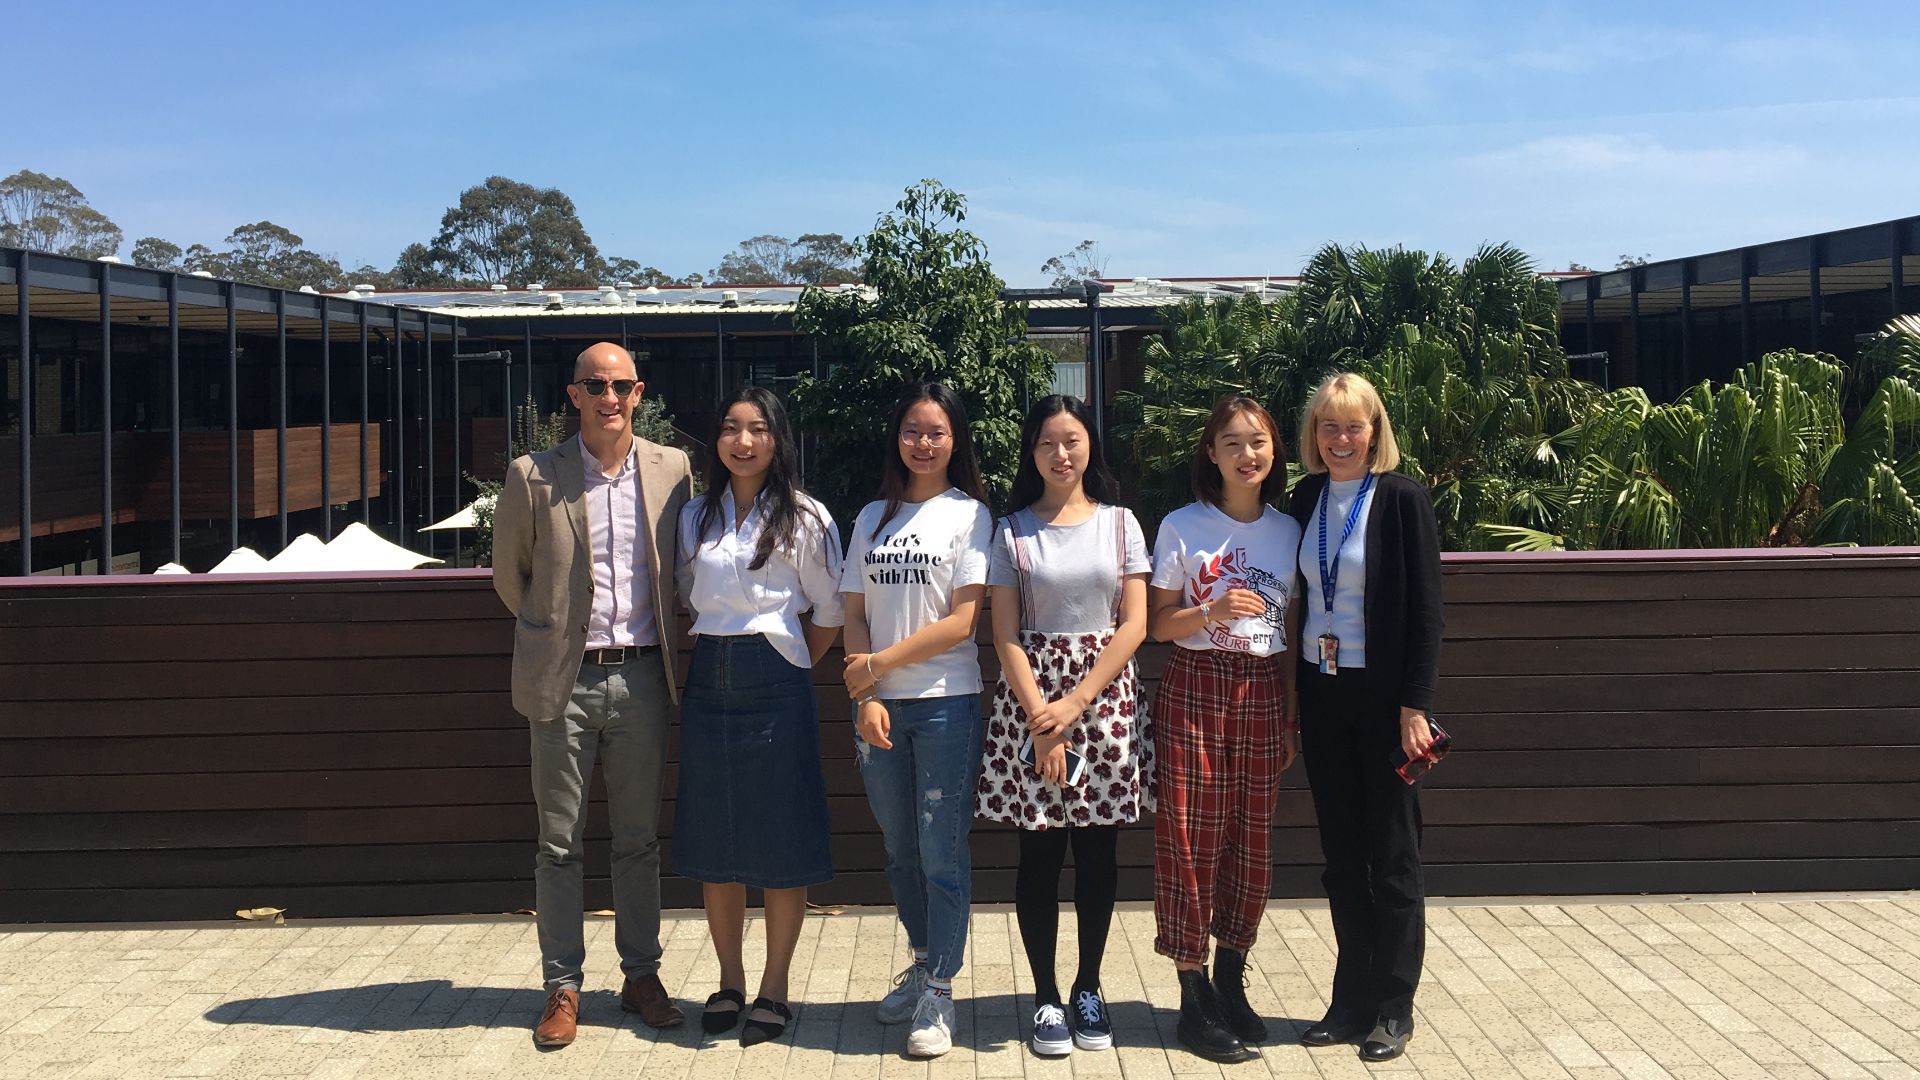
(729, 599)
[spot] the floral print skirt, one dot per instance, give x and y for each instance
(1114, 735)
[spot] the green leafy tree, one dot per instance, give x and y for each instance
(505, 231)
(46, 213)
(264, 253)
(931, 310)
(814, 259)
(630, 270)
(157, 254)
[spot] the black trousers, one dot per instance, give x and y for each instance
(1370, 835)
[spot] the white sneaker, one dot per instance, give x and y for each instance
(901, 1001)
(1050, 1035)
(932, 1033)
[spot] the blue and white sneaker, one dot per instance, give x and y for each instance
(901, 1001)
(1091, 1031)
(1050, 1035)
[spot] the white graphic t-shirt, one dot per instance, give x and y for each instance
(1201, 552)
(907, 576)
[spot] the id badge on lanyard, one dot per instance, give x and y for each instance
(1330, 570)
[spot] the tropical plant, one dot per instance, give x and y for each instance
(931, 310)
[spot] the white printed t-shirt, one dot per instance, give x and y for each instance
(1201, 553)
(907, 576)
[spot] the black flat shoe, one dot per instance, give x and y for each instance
(1333, 1029)
(713, 1021)
(755, 1030)
(1387, 1040)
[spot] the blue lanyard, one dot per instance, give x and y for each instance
(1330, 574)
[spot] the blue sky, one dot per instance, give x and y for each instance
(1188, 139)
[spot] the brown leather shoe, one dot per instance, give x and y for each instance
(645, 995)
(557, 1023)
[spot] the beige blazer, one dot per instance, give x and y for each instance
(543, 570)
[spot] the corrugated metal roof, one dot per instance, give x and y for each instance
(771, 300)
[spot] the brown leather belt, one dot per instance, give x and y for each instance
(618, 654)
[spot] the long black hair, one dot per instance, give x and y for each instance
(1096, 481)
(782, 495)
(963, 468)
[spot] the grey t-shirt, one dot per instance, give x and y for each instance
(1073, 572)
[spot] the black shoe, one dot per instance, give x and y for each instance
(1230, 992)
(1333, 1028)
(1200, 1029)
(715, 1021)
(1387, 1040)
(754, 1030)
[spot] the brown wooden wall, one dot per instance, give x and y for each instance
(178, 748)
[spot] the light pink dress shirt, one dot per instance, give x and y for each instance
(622, 580)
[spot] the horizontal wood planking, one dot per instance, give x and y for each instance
(1638, 724)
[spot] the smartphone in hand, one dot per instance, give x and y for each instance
(1076, 764)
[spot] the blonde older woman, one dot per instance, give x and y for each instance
(1370, 552)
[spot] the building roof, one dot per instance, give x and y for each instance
(625, 299)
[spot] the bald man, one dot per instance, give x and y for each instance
(583, 555)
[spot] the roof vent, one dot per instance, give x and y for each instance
(653, 290)
(496, 287)
(309, 289)
(554, 299)
(623, 286)
(536, 286)
(114, 259)
(730, 297)
(1141, 282)
(202, 273)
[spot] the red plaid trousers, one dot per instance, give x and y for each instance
(1218, 735)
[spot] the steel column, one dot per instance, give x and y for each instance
(1593, 287)
(426, 418)
(1096, 380)
(173, 409)
(1897, 277)
(366, 501)
(530, 390)
(233, 418)
(1746, 306)
(23, 310)
(106, 417)
(326, 421)
(1633, 325)
(453, 360)
(1686, 324)
(399, 411)
(280, 455)
(1813, 294)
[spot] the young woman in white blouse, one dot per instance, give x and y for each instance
(1223, 574)
(760, 570)
(1069, 753)
(915, 571)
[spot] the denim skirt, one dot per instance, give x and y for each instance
(751, 806)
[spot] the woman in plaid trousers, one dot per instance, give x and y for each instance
(1223, 572)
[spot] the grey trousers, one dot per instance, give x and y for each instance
(618, 717)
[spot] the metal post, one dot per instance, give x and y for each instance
(1813, 294)
(1746, 306)
(1897, 278)
(23, 308)
(106, 417)
(280, 457)
(1096, 381)
(1593, 285)
(366, 501)
(399, 411)
(173, 410)
(719, 363)
(1686, 324)
(506, 399)
(1633, 325)
(233, 418)
(453, 354)
(530, 390)
(426, 416)
(326, 421)
(625, 341)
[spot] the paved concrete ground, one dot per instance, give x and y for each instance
(1816, 986)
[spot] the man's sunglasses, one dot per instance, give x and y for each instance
(596, 387)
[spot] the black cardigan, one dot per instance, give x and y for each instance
(1402, 610)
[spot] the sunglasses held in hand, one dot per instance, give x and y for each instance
(1412, 771)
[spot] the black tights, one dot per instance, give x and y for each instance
(1036, 900)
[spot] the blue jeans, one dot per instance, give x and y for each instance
(921, 792)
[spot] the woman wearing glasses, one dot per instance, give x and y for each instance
(759, 568)
(1370, 551)
(915, 573)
